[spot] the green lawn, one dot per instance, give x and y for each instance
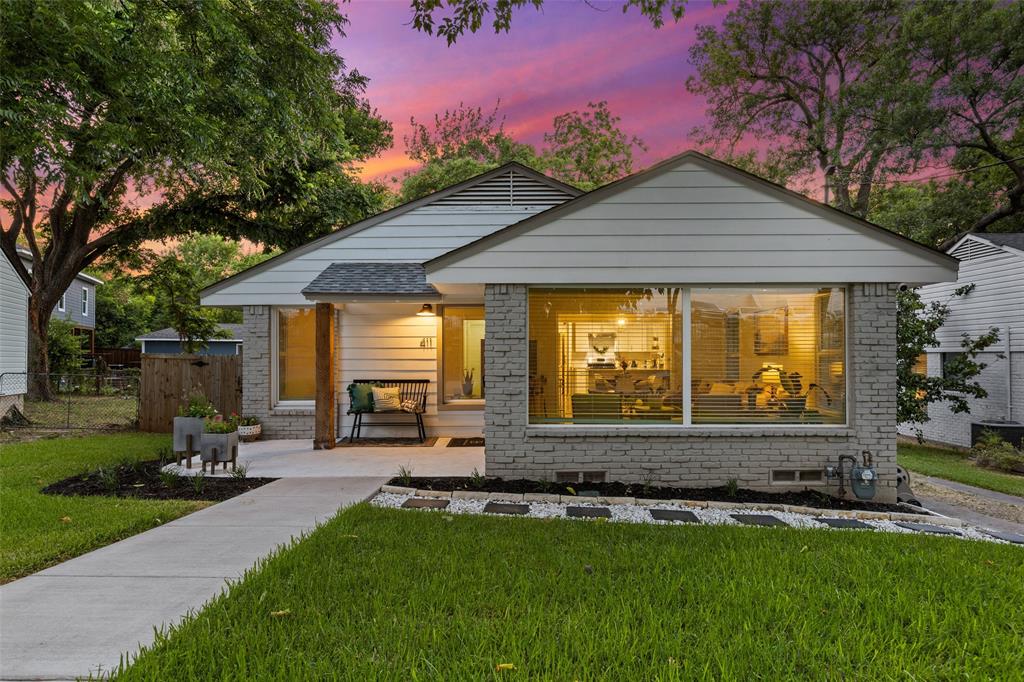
(954, 466)
(401, 595)
(39, 530)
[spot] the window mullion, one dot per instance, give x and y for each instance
(687, 370)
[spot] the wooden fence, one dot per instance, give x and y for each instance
(169, 380)
(119, 357)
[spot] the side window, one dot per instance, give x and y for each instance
(63, 302)
(85, 302)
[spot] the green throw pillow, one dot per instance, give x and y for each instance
(361, 396)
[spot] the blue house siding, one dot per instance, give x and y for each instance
(167, 347)
(73, 305)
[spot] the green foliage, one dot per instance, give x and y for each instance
(174, 285)
(198, 406)
(170, 479)
(459, 16)
(404, 474)
(198, 482)
(220, 426)
(65, 348)
(123, 312)
(993, 452)
(587, 149)
(954, 466)
(240, 472)
(917, 325)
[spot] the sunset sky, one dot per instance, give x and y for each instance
(554, 60)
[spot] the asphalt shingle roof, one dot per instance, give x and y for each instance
(1012, 239)
(233, 331)
(374, 279)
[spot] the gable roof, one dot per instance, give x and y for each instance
(26, 255)
(434, 198)
(234, 332)
(371, 279)
(628, 182)
(1014, 240)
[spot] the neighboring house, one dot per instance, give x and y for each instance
(691, 324)
(13, 337)
(994, 264)
(168, 342)
(77, 305)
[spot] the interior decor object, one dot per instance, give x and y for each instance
(467, 382)
(771, 331)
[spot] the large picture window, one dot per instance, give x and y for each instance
(462, 361)
(296, 354)
(756, 356)
(605, 356)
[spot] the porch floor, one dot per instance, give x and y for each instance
(298, 459)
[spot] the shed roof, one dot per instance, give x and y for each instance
(371, 279)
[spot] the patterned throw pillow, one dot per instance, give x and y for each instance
(412, 406)
(385, 399)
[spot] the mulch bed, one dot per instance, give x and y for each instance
(804, 498)
(142, 481)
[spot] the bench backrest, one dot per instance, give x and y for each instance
(409, 389)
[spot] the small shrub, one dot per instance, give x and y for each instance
(226, 426)
(404, 475)
(476, 479)
(198, 406)
(109, 479)
(170, 479)
(198, 483)
(732, 487)
(992, 452)
(240, 472)
(165, 455)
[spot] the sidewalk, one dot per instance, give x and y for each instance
(81, 616)
(978, 506)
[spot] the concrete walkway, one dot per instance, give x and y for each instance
(81, 616)
(969, 503)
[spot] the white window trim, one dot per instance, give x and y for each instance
(275, 327)
(62, 304)
(687, 424)
(85, 301)
(457, 403)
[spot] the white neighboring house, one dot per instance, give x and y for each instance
(994, 264)
(13, 337)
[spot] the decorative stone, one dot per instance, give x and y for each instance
(1015, 538)
(677, 515)
(842, 523)
(506, 508)
(714, 504)
(616, 500)
(419, 503)
(438, 494)
(871, 515)
(397, 490)
(505, 497)
(797, 509)
(916, 518)
(928, 528)
(766, 506)
(470, 495)
(542, 497)
(588, 512)
(759, 520)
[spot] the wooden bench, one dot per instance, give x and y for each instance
(414, 390)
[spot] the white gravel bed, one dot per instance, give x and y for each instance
(632, 513)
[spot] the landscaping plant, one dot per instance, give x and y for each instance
(198, 406)
(993, 452)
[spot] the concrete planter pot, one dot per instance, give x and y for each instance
(184, 428)
(247, 434)
(219, 448)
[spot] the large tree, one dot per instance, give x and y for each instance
(235, 118)
(859, 92)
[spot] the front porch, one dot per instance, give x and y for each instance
(297, 459)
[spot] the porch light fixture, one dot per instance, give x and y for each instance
(426, 311)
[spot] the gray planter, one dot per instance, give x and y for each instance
(183, 428)
(219, 448)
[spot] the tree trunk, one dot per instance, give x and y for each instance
(38, 352)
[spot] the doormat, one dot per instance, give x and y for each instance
(386, 443)
(476, 442)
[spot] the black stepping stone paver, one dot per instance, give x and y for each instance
(759, 520)
(421, 503)
(842, 523)
(506, 508)
(1015, 538)
(674, 515)
(588, 512)
(927, 528)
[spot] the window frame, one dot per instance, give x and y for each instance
(62, 303)
(85, 301)
(687, 424)
(275, 367)
(469, 404)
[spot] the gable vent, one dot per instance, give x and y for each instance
(973, 248)
(507, 189)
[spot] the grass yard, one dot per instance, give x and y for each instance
(400, 595)
(39, 530)
(83, 411)
(954, 466)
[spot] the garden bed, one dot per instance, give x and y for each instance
(144, 480)
(803, 498)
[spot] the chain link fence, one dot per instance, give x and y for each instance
(91, 401)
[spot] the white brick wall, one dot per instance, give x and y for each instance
(697, 457)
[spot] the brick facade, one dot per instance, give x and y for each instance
(692, 457)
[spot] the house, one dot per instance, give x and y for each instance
(13, 337)
(77, 305)
(167, 341)
(691, 324)
(994, 264)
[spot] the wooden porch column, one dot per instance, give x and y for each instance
(323, 435)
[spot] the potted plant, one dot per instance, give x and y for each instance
(249, 428)
(188, 425)
(467, 383)
(219, 443)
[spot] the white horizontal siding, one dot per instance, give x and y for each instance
(416, 236)
(997, 299)
(13, 328)
(692, 224)
(387, 346)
